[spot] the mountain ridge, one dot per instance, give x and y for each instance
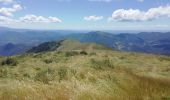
(65, 45)
(145, 42)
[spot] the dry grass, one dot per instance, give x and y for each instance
(97, 75)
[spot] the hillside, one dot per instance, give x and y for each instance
(65, 45)
(80, 71)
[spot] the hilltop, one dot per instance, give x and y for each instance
(80, 71)
(65, 45)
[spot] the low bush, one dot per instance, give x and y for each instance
(48, 61)
(83, 53)
(9, 61)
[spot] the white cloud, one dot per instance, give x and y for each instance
(138, 15)
(9, 11)
(41, 19)
(6, 1)
(93, 18)
(30, 19)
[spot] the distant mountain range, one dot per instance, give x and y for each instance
(153, 42)
(13, 49)
(14, 42)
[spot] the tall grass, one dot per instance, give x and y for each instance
(76, 75)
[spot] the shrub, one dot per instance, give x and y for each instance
(10, 62)
(48, 61)
(83, 53)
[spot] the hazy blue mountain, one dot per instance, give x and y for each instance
(13, 49)
(147, 42)
(25, 36)
(120, 41)
(28, 37)
(154, 42)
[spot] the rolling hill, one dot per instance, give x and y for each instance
(65, 45)
(71, 70)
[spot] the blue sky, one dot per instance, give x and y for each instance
(86, 14)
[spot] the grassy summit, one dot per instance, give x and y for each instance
(84, 71)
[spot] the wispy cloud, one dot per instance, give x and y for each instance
(138, 15)
(93, 18)
(30, 19)
(9, 11)
(39, 19)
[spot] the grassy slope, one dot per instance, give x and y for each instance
(99, 75)
(68, 45)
